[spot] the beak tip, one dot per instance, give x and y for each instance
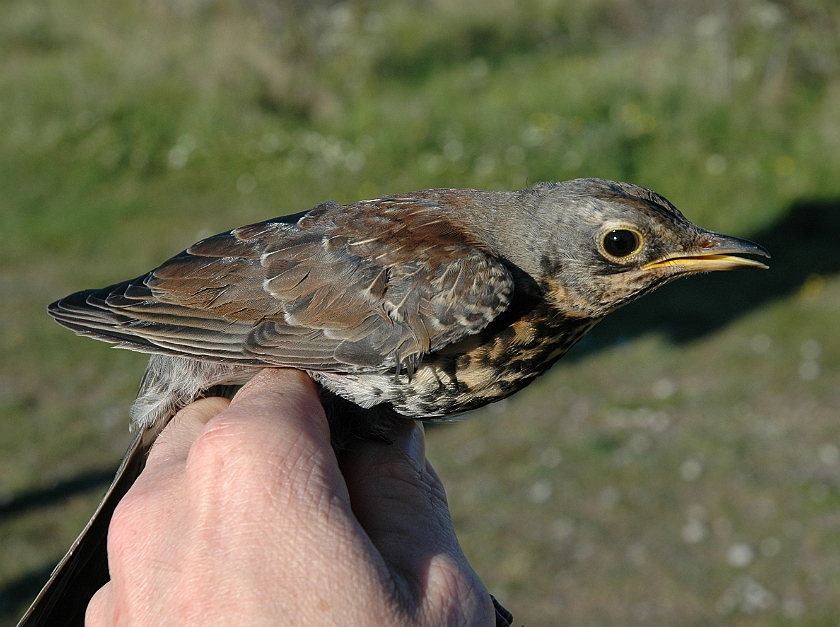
(738, 245)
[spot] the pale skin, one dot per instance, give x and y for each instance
(244, 517)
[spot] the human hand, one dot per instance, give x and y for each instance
(242, 516)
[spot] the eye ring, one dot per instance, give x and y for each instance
(622, 243)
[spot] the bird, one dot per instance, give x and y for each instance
(419, 305)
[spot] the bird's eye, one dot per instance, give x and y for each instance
(622, 242)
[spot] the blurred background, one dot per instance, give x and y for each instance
(680, 467)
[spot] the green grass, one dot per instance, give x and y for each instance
(613, 491)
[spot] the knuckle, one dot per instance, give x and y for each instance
(95, 614)
(127, 525)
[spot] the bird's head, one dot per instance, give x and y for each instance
(602, 244)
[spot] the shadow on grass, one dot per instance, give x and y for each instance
(43, 497)
(801, 245)
(17, 594)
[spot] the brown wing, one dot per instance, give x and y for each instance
(362, 287)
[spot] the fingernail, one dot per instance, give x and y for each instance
(410, 438)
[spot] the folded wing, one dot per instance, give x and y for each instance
(364, 287)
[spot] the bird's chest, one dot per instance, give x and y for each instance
(487, 367)
(508, 360)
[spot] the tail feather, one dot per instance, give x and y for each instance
(79, 313)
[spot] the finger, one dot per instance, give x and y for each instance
(287, 395)
(410, 438)
(400, 504)
(272, 393)
(277, 414)
(178, 436)
(272, 440)
(98, 609)
(160, 487)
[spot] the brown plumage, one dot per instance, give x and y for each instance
(418, 305)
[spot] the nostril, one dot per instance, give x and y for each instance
(708, 244)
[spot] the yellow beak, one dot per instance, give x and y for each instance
(714, 253)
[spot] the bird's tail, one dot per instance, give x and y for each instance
(88, 313)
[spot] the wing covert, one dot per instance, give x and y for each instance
(390, 279)
(367, 286)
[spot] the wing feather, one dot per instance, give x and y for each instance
(369, 286)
